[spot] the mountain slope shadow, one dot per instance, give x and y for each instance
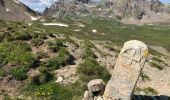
(144, 97)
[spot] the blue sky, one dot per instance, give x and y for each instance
(40, 5)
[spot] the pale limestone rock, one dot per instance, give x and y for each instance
(95, 90)
(96, 85)
(88, 96)
(98, 98)
(59, 79)
(126, 72)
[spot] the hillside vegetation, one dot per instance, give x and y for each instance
(33, 58)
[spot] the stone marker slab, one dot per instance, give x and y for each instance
(127, 71)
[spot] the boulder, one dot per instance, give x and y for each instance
(96, 85)
(88, 96)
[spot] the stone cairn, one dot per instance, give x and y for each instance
(124, 77)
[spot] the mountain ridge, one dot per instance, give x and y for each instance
(127, 11)
(14, 10)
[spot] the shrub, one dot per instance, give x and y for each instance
(23, 45)
(144, 77)
(60, 60)
(20, 73)
(150, 90)
(53, 48)
(118, 17)
(16, 52)
(53, 91)
(91, 69)
(23, 36)
(3, 60)
(44, 77)
(37, 42)
(42, 36)
(2, 72)
(44, 72)
(89, 53)
(41, 55)
(157, 59)
(56, 45)
(156, 65)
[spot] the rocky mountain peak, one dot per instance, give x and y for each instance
(16, 11)
(84, 1)
(69, 8)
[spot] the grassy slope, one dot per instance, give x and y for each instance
(114, 31)
(42, 85)
(17, 58)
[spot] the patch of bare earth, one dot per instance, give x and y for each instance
(159, 79)
(8, 86)
(68, 72)
(105, 56)
(160, 50)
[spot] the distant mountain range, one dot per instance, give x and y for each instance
(124, 10)
(16, 11)
(127, 11)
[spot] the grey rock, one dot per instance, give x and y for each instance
(96, 85)
(88, 96)
(126, 72)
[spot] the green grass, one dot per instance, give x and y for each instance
(19, 73)
(2, 72)
(145, 77)
(114, 31)
(148, 91)
(44, 76)
(60, 60)
(90, 69)
(156, 65)
(19, 56)
(16, 52)
(54, 91)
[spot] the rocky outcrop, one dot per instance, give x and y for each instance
(69, 8)
(16, 11)
(126, 73)
(119, 9)
(95, 90)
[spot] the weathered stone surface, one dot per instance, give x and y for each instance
(59, 79)
(95, 90)
(88, 96)
(126, 72)
(96, 85)
(98, 98)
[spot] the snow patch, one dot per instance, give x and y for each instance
(42, 20)
(7, 9)
(29, 24)
(81, 25)
(100, 9)
(94, 31)
(16, 1)
(56, 24)
(34, 18)
(77, 30)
